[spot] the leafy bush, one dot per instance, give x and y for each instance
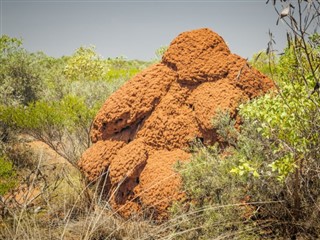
(221, 186)
(261, 61)
(121, 68)
(19, 79)
(212, 197)
(58, 124)
(160, 52)
(85, 64)
(7, 176)
(286, 120)
(236, 192)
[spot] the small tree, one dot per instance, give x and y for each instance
(86, 64)
(19, 80)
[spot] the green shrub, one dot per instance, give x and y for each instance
(7, 176)
(223, 186)
(63, 125)
(236, 192)
(160, 52)
(85, 63)
(123, 69)
(19, 79)
(212, 197)
(292, 120)
(261, 61)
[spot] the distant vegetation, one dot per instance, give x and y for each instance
(262, 181)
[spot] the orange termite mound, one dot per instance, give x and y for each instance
(145, 127)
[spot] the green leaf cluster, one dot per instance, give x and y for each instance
(289, 116)
(212, 196)
(121, 68)
(19, 77)
(85, 63)
(41, 115)
(7, 176)
(160, 52)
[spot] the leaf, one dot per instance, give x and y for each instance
(256, 174)
(256, 59)
(234, 170)
(284, 114)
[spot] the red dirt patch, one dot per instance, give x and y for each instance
(148, 124)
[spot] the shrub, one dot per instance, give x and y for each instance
(7, 176)
(122, 69)
(19, 79)
(160, 52)
(63, 125)
(225, 194)
(85, 64)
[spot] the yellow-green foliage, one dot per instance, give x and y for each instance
(261, 61)
(161, 51)
(7, 176)
(20, 81)
(289, 116)
(215, 195)
(120, 68)
(114, 73)
(67, 113)
(85, 63)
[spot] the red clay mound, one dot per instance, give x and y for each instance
(148, 124)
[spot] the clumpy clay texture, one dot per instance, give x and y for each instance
(145, 127)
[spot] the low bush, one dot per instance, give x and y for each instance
(7, 176)
(63, 125)
(236, 192)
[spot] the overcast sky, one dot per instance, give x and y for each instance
(135, 29)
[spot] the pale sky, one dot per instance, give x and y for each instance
(135, 29)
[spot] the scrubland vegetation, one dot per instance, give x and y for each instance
(262, 181)
(53, 101)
